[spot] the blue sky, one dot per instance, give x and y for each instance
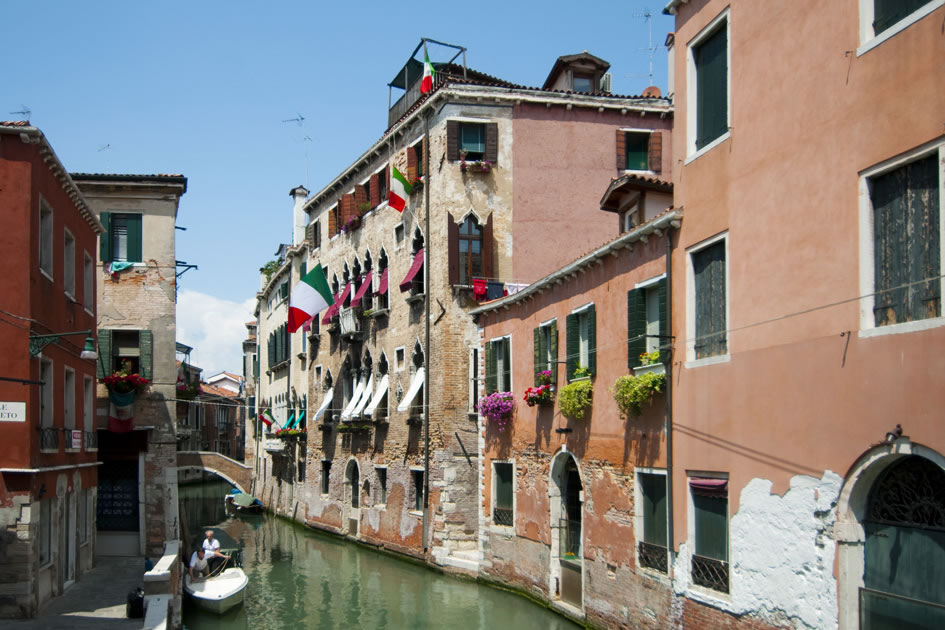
(202, 88)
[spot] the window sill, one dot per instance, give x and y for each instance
(502, 530)
(580, 378)
(899, 26)
(655, 368)
(380, 312)
(72, 450)
(725, 136)
(709, 596)
(46, 274)
(721, 358)
(416, 297)
(418, 513)
(905, 327)
(49, 451)
(71, 297)
(89, 311)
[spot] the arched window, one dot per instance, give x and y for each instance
(382, 292)
(382, 366)
(416, 358)
(470, 250)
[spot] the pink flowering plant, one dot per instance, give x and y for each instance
(497, 407)
(543, 394)
(544, 377)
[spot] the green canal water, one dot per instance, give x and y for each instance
(302, 579)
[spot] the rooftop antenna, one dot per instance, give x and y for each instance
(647, 16)
(298, 119)
(25, 112)
(104, 147)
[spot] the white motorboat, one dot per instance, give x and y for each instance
(219, 593)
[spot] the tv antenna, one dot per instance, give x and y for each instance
(647, 16)
(298, 119)
(25, 112)
(104, 147)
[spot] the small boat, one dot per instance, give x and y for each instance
(225, 590)
(243, 503)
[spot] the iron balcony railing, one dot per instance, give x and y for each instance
(350, 321)
(91, 440)
(48, 439)
(710, 573)
(652, 556)
(502, 516)
(411, 96)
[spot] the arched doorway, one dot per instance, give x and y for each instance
(904, 548)
(353, 496)
(567, 507)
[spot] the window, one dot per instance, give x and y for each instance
(314, 234)
(646, 320)
(582, 83)
(470, 251)
(399, 233)
(499, 365)
(88, 404)
(68, 264)
(546, 349)
(88, 284)
(45, 238)
(415, 156)
(68, 401)
(381, 485)
(46, 395)
(400, 355)
(45, 532)
(888, 12)
(502, 493)
(122, 239)
(709, 303)
(652, 546)
(83, 500)
(326, 476)
(882, 19)
(710, 531)
(474, 140)
(638, 151)
(382, 182)
(417, 477)
(708, 85)
(473, 394)
(125, 347)
(581, 342)
(907, 254)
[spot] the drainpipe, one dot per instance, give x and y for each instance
(668, 428)
(427, 354)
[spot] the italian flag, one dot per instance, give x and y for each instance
(399, 189)
(309, 296)
(427, 84)
(267, 418)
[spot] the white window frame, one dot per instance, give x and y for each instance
(400, 357)
(68, 403)
(701, 593)
(545, 331)
(500, 363)
(868, 326)
(68, 264)
(504, 529)
(638, 525)
(386, 489)
(691, 360)
(870, 40)
(648, 132)
(710, 29)
(88, 404)
(411, 506)
(46, 238)
(584, 346)
(88, 283)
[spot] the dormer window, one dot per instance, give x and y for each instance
(582, 83)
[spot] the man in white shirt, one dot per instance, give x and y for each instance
(211, 547)
(198, 564)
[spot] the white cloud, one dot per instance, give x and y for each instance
(215, 328)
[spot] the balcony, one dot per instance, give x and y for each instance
(91, 440)
(350, 319)
(49, 439)
(710, 573)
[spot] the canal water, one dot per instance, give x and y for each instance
(302, 579)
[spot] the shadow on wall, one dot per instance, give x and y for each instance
(499, 439)
(641, 438)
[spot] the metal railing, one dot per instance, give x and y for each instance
(502, 516)
(91, 440)
(710, 573)
(412, 95)
(48, 439)
(652, 556)
(350, 321)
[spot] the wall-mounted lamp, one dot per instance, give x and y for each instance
(892, 436)
(38, 342)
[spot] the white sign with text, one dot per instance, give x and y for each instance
(12, 412)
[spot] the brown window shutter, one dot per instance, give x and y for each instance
(310, 234)
(348, 209)
(387, 177)
(360, 196)
(333, 221)
(375, 190)
(488, 245)
(452, 234)
(452, 140)
(316, 234)
(621, 150)
(492, 143)
(411, 164)
(655, 150)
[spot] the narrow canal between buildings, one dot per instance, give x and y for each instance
(301, 579)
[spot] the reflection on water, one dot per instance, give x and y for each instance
(302, 579)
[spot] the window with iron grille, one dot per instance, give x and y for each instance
(651, 549)
(502, 493)
(710, 557)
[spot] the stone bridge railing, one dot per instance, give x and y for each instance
(237, 473)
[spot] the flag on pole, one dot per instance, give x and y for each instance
(427, 84)
(309, 296)
(399, 189)
(264, 416)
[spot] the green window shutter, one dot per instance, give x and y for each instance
(654, 508)
(709, 272)
(538, 355)
(554, 351)
(506, 364)
(104, 353)
(711, 525)
(711, 61)
(503, 486)
(636, 326)
(591, 340)
(146, 347)
(105, 239)
(572, 344)
(491, 365)
(134, 237)
(303, 270)
(664, 339)
(888, 12)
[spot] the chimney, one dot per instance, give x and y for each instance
(300, 219)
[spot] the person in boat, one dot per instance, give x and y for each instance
(211, 547)
(198, 564)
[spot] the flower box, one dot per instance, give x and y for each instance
(497, 408)
(654, 368)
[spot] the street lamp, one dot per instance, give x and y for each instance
(38, 342)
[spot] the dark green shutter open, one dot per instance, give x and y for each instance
(506, 364)
(538, 355)
(888, 12)
(490, 368)
(146, 348)
(133, 221)
(591, 340)
(105, 239)
(654, 508)
(664, 340)
(503, 486)
(709, 272)
(104, 353)
(636, 326)
(553, 337)
(303, 270)
(711, 61)
(572, 344)
(711, 525)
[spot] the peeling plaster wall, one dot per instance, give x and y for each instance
(781, 552)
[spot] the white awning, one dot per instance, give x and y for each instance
(415, 386)
(326, 402)
(379, 394)
(355, 398)
(356, 412)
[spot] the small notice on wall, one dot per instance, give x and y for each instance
(12, 412)
(77, 439)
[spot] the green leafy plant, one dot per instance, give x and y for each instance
(632, 392)
(575, 399)
(270, 268)
(650, 358)
(582, 372)
(364, 207)
(368, 312)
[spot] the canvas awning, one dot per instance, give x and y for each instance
(379, 395)
(415, 386)
(358, 392)
(332, 310)
(356, 300)
(382, 285)
(708, 486)
(326, 402)
(414, 269)
(365, 397)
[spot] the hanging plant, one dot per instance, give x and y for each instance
(575, 399)
(497, 407)
(541, 395)
(632, 392)
(188, 391)
(124, 385)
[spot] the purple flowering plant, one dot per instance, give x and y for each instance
(497, 407)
